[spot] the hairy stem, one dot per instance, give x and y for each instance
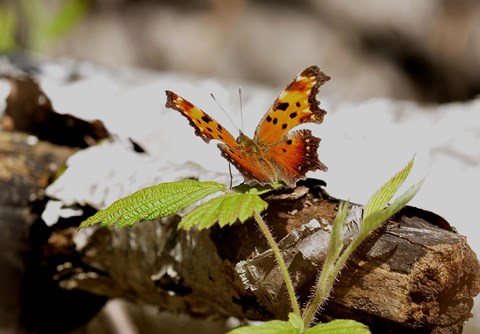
(325, 282)
(322, 291)
(281, 263)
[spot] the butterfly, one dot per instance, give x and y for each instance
(275, 153)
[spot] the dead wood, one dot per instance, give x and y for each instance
(27, 166)
(29, 110)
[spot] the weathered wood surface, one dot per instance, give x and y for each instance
(30, 300)
(415, 274)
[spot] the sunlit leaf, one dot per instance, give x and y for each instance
(376, 214)
(224, 210)
(336, 237)
(294, 325)
(373, 220)
(383, 195)
(339, 327)
(154, 202)
(296, 322)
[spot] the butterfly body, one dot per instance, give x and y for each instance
(275, 152)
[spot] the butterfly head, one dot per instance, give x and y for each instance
(246, 142)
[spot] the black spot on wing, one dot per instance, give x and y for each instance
(281, 106)
(207, 119)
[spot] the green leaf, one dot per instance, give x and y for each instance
(339, 327)
(370, 222)
(258, 189)
(8, 21)
(383, 195)
(336, 237)
(373, 220)
(294, 325)
(154, 202)
(296, 322)
(69, 13)
(225, 209)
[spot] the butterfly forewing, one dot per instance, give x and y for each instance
(205, 126)
(296, 104)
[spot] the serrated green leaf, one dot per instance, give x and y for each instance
(383, 195)
(339, 327)
(270, 327)
(154, 202)
(373, 220)
(225, 209)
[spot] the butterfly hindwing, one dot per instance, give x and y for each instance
(296, 104)
(294, 156)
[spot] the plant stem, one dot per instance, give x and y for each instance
(322, 290)
(281, 263)
(327, 278)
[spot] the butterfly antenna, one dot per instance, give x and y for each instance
(241, 107)
(226, 113)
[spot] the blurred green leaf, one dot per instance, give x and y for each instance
(65, 18)
(8, 22)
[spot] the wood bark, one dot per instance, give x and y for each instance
(415, 274)
(30, 300)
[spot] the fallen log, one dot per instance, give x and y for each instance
(415, 274)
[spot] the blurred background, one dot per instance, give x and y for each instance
(425, 51)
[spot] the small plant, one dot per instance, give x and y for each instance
(43, 26)
(242, 202)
